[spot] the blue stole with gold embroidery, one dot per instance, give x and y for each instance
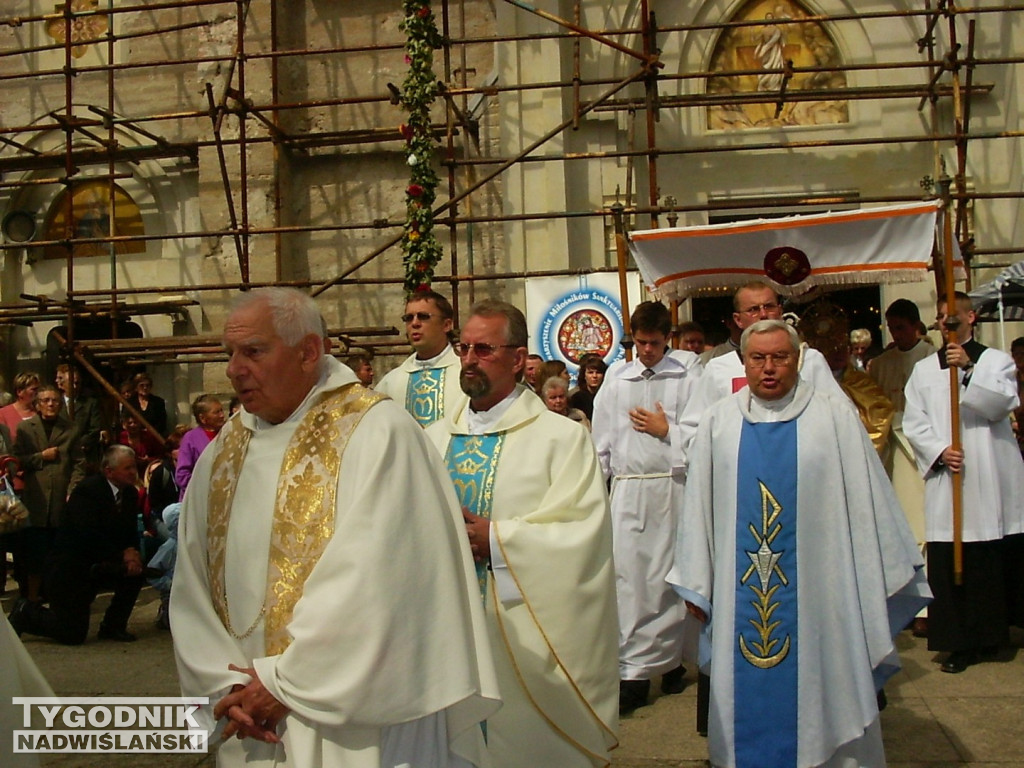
(765, 651)
(472, 462)
(424, 395)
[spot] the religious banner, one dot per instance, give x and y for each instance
(569, 317)
(890, 244)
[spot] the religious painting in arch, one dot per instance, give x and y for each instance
(90, 218)
(786, 33)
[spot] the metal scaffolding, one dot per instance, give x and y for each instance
(241, 112)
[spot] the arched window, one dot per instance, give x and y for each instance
(744, 49)
(90, 217)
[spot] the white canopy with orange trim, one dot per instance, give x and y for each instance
(889, 244)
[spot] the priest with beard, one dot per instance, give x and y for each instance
(794, 553)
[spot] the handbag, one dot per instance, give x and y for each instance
(13, 512)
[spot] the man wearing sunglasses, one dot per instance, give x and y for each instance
(427, 382)
(537, 521)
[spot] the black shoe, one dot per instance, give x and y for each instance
(633, 695)
(17, 617)
(672, 682)
(120, 635)
(881, 700)
(958, 661)
(919, 627)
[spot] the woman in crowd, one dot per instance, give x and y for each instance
(150, 406)
(555, 393)
(24, 405)
(591, 376)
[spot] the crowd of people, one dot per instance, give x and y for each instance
(476, 562)
(97, 477)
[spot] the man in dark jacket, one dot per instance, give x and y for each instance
(96, 547)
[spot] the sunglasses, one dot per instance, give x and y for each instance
(483, 351)
(421, 316)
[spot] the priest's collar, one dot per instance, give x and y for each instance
(485, 422)
(431, 362)
(786, 408)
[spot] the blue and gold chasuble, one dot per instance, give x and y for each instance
(765, 650)
(472, 462)
(424, 395)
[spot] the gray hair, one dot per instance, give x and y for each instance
(555, 382)
(769, 326)
(293, 313)
(114, 454)
(515, 322)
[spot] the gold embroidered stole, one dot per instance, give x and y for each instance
(304, 510)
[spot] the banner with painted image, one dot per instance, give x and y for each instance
(570, 317)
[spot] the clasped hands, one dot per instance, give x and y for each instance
(251, 709)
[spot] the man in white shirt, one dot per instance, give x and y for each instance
(427, 382)
(970, 620)
(536, 515)
(639, 443)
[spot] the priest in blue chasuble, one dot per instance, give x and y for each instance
(538, 524)
(795, 554)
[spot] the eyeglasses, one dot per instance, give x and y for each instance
(421, 316)
(47, 400)
(757, 309)
(757, 360)
(483, 351)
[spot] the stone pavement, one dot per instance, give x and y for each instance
(933, 720)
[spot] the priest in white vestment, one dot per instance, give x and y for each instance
(427, 382)
(324, 597)
(794, 551)
(970, 620)
(639, 443)
(536, 515)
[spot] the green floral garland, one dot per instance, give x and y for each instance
(421, 250)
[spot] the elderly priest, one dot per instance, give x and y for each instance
(794, 552)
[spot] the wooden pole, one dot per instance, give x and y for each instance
(620, 252)
(952, 323)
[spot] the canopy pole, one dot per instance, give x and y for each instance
(952, 323)
(617, 209)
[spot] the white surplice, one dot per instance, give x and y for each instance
(389, 663)
(993, 473)
(395, 383)
(553, 625)
(647, 486)
(19, 676)
(860, 576)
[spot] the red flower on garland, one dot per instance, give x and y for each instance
(423, 12)
(406, 132)
(414, 190)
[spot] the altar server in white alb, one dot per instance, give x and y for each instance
(639, 443)
(725, 374)
(536, 515)
(794, 551)
(324, 597)
(969, 620)
(427, 382)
